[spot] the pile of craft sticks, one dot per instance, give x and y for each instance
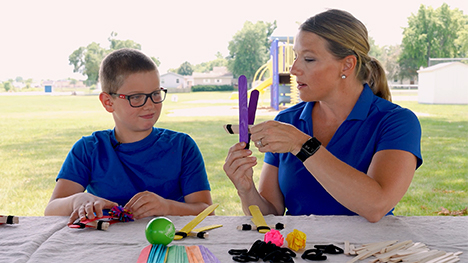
(394, 251)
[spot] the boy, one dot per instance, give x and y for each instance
(151, 171)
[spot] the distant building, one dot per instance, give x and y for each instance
(69, 84)
(218, 76)
(445, 83)
(174, 82)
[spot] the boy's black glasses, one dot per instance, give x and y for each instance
(138, 100)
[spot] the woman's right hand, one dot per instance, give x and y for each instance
(238, 167)
(86, 205)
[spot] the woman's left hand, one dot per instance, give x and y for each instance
(277, 137)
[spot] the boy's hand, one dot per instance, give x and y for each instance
(238, 167)
(89, 206)
(147, 203)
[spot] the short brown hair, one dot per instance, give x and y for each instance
(346, 36)
(117, 65)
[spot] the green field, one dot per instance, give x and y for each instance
(36, 133)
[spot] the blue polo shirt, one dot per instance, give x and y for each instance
(166, 162)
(373, 125)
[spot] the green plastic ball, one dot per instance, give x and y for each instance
(160, 230)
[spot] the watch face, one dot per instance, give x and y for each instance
(308, 147)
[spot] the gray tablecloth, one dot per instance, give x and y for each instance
(48, 239)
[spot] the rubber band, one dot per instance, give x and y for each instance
(279, 226)
(229, 129)
(245, 227)
(235, 252)
(269, 252)
(329, 249)
(99, 225)
(202, 234)
(10, 219)
(314, 254)
(259, 228)
(182, 234)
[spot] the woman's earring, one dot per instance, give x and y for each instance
(343, 76)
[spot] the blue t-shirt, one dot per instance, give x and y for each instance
(373, 125)
(166, 162)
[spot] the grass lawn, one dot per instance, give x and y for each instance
(36, 133)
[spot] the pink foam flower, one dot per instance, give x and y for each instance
(275, 237)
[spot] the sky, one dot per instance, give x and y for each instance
(36, 37)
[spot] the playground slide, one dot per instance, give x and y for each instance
(261, 88)
(265, 84)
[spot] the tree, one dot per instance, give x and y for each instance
(250, 48)
(87, 60)
(220, 61)
(185, 69)
(7, 86)
(432, 34)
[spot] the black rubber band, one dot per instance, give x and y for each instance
(10, 219)
(279, 226)
(99, 225)
(237, 251)
(246, 227)
(228, 127)
(82, 225)
(313, 254)
(330, 249)
(262, 228)
(201, 234)
(183, 234)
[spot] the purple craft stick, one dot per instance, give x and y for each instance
(207, 255)
(253, 106)
(243, 111)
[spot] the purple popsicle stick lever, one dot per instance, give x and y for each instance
(243, 111)
(246, 113)
(253, 105)
(252, 108)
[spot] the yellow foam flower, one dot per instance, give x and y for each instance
(296, 240)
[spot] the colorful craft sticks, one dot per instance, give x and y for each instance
(176, 254)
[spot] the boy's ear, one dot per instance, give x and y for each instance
(106, 101)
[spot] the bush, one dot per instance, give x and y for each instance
(212, 88)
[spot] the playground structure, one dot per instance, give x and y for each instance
(275, 76)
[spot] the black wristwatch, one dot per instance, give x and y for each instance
(308, 149)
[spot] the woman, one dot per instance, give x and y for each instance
(346, 149)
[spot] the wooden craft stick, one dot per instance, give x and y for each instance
(9, 219)
(453, 260)
(97, 224)
(395, 246)
(346, 247)
(371, 249)
(444, 258)
(420, 257)
(352, 251)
